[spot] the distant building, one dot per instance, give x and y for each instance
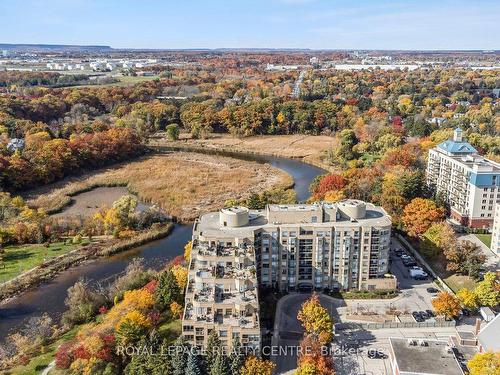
(467, 181)
(437, 120)
(495, 238)
(281, 67)
(314, 61)
(422, 357)
(15, 144)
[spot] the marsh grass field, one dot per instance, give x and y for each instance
(183, 184)
(311, 149)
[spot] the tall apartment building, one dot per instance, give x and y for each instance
(468, 182)
(495, 237)
(288, 247)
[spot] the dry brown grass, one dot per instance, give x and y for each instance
(311, 149)
(183, 184)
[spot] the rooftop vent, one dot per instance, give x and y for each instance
(412, 342)
(423, 343)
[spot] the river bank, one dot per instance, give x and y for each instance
(49, 269)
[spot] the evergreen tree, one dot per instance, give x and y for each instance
(213, 347)
(220, 365)
(193, 366)
(236, 358)
(179, 357)
(145, 364)
(168, 290)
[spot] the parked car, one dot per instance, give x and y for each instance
(416, 268)
(430, 313)
(424, 315)
(432, 290)
(418, 318)
(409, 263)
(420, 276)
(376, 354)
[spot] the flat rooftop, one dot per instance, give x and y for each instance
(431, 359)
(209, 224)
(294, 207)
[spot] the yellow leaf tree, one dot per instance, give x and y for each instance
(257, 366)
(468, 299)
(333, 196)
(181, 276)
(485, 364)
(176, 309)
(316, 320)
(187, 251)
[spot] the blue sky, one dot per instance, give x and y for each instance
(316, 24)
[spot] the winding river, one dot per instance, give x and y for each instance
(49, 297)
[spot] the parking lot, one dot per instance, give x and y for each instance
(413, 297)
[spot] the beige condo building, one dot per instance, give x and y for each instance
(343, 245)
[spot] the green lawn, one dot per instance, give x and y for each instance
(484, 238)
(457, 282)
(40, 362)
(171, 330)
(18, 259)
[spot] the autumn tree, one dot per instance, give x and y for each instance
(316, 320)
(257, 366)
(487, 363)
(419, 215)
(181, 276)
(488, 290)
(176, 309)
(446, 304)
(468, 299)
(187, 251)
(132, 327)
(329, 183)
(311, 358)
(465, 258)
(440, 237)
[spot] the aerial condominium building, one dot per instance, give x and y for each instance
(344, 245)
(467, 181)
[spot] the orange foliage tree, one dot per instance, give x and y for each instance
(419, 215)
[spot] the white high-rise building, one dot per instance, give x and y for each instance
(466, 180)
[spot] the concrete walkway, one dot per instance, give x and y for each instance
(48, 368)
